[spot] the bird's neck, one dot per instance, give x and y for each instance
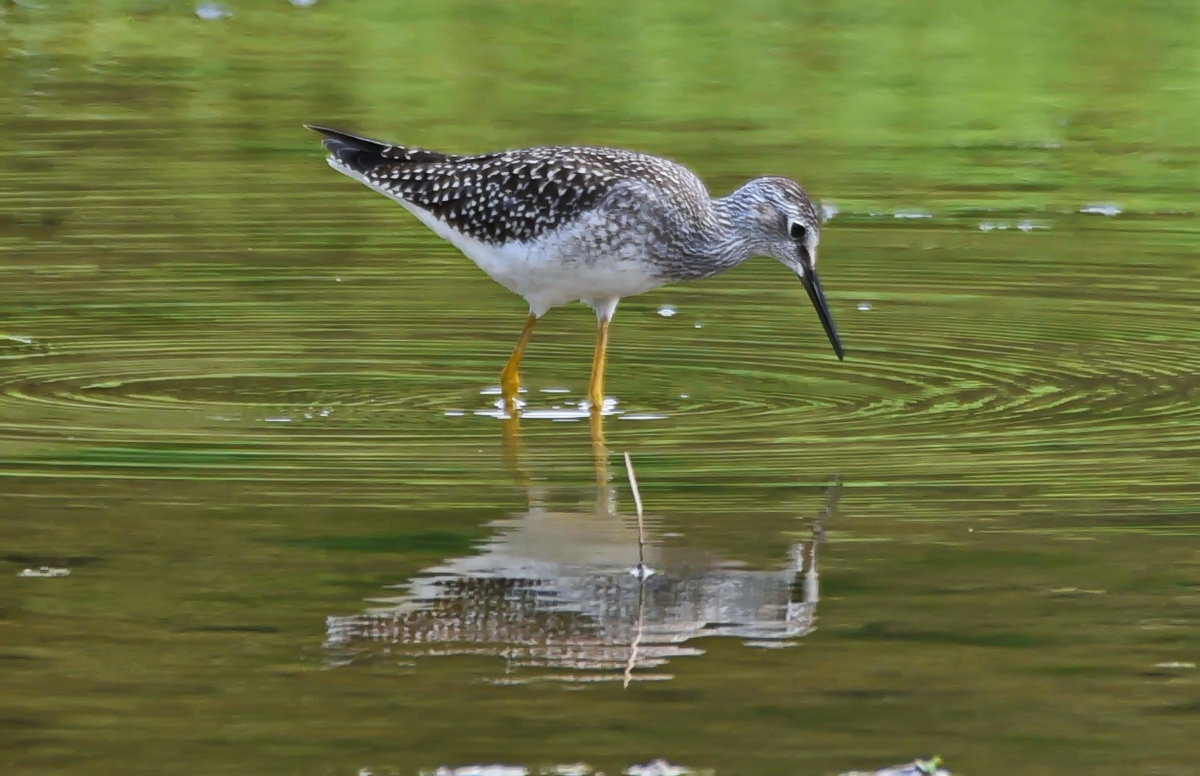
(728, 236)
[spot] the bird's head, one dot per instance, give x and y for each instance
(788, 226)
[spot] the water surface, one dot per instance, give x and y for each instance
(250, 405)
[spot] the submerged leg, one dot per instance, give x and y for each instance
(599, 456)
(510, 379)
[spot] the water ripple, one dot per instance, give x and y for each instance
(198, 364)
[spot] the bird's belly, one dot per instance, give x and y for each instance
(548, 279)
(556, 268)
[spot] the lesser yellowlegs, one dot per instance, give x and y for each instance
(556, 224)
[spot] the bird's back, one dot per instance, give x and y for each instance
(510, 196)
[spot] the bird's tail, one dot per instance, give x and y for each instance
(363, 153)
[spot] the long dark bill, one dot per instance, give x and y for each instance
(812, 285)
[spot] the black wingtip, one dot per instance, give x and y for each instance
(346, 137)
(354, 151)
(364, 153)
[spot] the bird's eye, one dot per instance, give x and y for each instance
(798, 231)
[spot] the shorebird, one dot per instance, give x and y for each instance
(557, 224)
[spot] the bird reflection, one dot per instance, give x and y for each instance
(563, 594)
(509, 413)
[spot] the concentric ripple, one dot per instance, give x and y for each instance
(962, 370)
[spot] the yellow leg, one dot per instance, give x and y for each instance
(596, 386)
(510, 379)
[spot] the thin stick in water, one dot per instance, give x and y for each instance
(637, 501)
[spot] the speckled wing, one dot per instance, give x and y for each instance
(497, 198)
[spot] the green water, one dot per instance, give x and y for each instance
(249, 405)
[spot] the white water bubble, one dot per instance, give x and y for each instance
(657, 768)
(483, 770)
(212, 11)
(43, 572)
(1101, 208)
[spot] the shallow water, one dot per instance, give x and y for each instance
(250, 405)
